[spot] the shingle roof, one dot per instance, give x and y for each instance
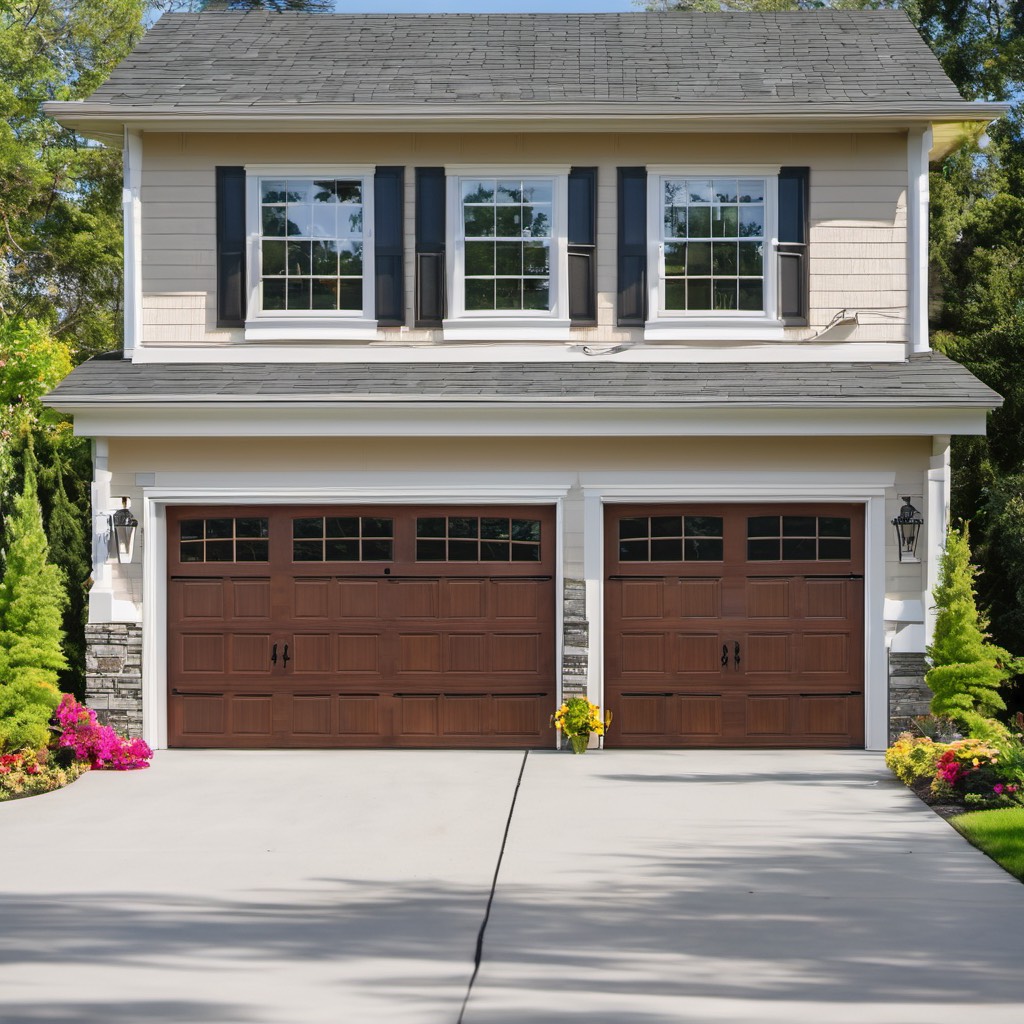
(927, 380)
(259, 60)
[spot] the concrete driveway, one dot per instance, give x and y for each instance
(648, 888)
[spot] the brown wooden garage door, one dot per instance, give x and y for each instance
(735, 625)
(361, 627)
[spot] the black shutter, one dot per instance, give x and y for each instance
(231, 287)
(388, 255)
(632, 297)
(793, 256)
(430, 246)
(582, 246)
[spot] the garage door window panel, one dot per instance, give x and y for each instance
(342, 539)
(477, 539)
(798, 539)
(224, 539)
(671, 539)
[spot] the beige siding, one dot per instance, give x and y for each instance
(858, 212)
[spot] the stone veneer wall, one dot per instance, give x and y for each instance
(909, 694)
(113, 674)
(575, 639)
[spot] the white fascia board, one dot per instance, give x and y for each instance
(524, 419)
(728, 347)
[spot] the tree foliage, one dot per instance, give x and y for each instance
(967, 669)
(31, 610)
(60, 217)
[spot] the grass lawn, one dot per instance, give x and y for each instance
(998, 833)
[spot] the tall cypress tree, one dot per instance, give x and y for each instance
(32, 603)
(967, 669)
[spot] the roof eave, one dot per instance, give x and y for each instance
(106, 121)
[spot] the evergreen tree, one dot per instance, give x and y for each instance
(65, 528)
(32, 603)
(967, 670)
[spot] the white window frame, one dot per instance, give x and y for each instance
(312, 324)
(711, 325)
(507, 325)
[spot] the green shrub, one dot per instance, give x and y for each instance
(913, 757)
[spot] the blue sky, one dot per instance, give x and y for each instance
(483, 6)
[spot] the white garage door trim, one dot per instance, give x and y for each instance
(154, 524)
(736, 487)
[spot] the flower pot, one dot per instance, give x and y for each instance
(580, 743)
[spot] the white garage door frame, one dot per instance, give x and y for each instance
(769, 488)
(154, 523)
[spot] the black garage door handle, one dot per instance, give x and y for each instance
(285, 659)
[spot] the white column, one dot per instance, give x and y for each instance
(919, 144)
(593, 539)
(131, 202)
(936, 498)
(876, 674)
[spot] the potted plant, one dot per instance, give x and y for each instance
(577, 718)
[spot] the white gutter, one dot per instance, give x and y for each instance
(919, 144)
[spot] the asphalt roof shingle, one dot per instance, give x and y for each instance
(794, 57)
(924, 380)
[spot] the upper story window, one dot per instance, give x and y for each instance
(508, 252)
(711, 236)
(311, 245)
(310, 251)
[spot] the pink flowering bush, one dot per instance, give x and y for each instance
(97, 744)
(978, 773)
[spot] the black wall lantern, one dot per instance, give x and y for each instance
(908, 525)
(124, 525)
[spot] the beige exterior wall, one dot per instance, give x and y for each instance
(212, 463)
(858, 214)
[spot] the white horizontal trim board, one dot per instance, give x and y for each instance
(728, 349)
(592, 419)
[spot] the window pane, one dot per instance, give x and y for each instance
(699, 222)
(724, 190)
(342, 526)
(666, 550)
(494, 529)
(324, 293)
(431, 526)
(633, 528)
(675, 258)
(698, 258)
(220, 551)
(723, 258)
(307, 551)
(251, 528)
(350, 221)
(272, 190)
(750, 258)
(702, 549)
(325, 257)
(675, 294)
(723, 221)
(374, 527)
(751, 221)
(763, 526)
(300, 257)
(251, 551)
(508, 258)
(698, 191)
(536, 258)
(526, 529)
(536, 293)
(698, 294)
(350, 294)
(725, 294)
(494, 551)
(834, 548)
(510, 190)
(300, 190)
(273, 294)
(377, 550)
(300, 221)
(832, 526)
(218, 528)
(479, 221)
(349, 191)
(430, 550)
(191, 529)
(508, 222)
(508, 294)
(273, 257)
(324, 221)
(525, 552)
(480, 294)
(666, 526)
(192, 552)
(799, 526)
(341, 550)
(325, 192)
(298, 293)
(274, 221)
(763, 550)
(751, 191)
(480, 258)
(536, 221)
(537, 191)
(675, 221)
(463, 526)
(463, 551)
(800, 549)
(633, 551)
(703, 526)
(478, 191)
(751, 296)
(307, 527)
